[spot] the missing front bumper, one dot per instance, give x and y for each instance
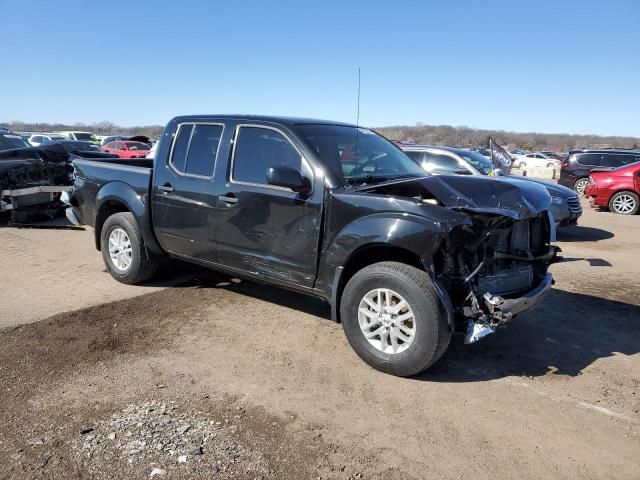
(502, 311)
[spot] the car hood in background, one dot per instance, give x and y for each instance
(472, 193)
(553, 188)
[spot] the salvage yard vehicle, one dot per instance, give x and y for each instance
(33, 178)
(405, 259)
(565, 204)
(38, 139)
(80, 136)
(537, 159)
(127, 149)
(577, 166)
(10, 140)
(617, 189)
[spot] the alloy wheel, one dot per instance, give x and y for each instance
(120, 250)
(387, 321)
(624, 204)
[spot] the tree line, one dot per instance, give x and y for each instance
(99, 128)
(426, 134)
(473, 137)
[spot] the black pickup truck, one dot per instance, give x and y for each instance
(334, 210)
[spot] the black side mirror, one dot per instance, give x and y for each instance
(462, 171)
(289, 178)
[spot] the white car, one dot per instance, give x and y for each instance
(536, 160)
(38, 139)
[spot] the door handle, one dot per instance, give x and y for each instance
(165, 188)
(228, 198)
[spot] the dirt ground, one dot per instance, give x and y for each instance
(219, 378)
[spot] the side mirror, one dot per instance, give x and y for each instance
(289, 178)
(462, 171)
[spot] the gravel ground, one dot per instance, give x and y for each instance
(269, 388)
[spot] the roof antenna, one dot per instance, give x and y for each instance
(356, 150)
(358, 114)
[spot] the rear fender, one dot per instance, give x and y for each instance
(118, 196)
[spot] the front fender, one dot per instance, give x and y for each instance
(123, 194)
(419, 235)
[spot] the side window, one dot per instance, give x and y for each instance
(611, 160)
(435, 162)
(180, 144)
(417, 157)
(593, 159)
(203, 149)
(257, 149)
(619, 160)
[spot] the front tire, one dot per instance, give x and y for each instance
(624, 203)
(393, 318)
(123, 250)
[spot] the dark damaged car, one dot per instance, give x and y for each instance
(406, 260)
(32, 179)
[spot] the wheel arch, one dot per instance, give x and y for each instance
(372, 253)
(116, 197)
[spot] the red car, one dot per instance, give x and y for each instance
(127, 149)
(618, 189)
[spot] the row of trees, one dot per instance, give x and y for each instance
(472, 137)
(428, 134)
(101, 128)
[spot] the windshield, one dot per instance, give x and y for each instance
(85, 136)
(358, 155)
(479, 162)
(9, 141)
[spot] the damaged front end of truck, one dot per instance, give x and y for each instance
(493, 264)
(496, 266)
(495, 269)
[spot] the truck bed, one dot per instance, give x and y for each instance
(94, 175)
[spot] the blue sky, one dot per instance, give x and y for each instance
(547, 66)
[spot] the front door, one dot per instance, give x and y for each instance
(263, 229)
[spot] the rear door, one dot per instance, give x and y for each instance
(185, 197)
(263, 229)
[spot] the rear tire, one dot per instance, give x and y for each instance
(419, 341)
(624, 203)
(580, 185)
(123, 250)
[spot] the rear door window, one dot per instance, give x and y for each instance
(203, 149)
(257, 149)
(611, 160)
(591, 159)
(180, 145)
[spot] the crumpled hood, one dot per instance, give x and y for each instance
(474, 194)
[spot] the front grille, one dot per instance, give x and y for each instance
(574, 204)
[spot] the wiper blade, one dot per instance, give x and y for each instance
(380, 179)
